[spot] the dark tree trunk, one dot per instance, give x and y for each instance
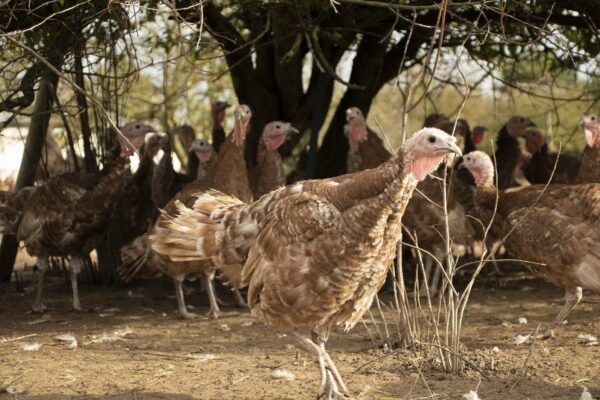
(366, 72)
(32, 153)
(86, 132)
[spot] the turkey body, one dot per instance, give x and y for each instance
(314, 253)
(65, 217)
(556, 227)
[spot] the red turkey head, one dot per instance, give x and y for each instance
(517, 126)
(217, 110)
(591, 128)
(534, 141)
(136, 133)
(241, 116)
(356, 126)
(479, 134)
(186, 135)
(435, 120)
(203, 150)
(481, 167)
(275, 134)
(426, 149)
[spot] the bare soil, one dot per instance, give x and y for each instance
(134, 346)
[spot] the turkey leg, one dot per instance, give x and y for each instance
(209, 284)
(74, 269)
(38, 305)
(185, 314)
(572, 298)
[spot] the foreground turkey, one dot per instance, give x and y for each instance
(67, 214)
(557, 228)
(314, 253)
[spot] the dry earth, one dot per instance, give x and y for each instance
(134, 346)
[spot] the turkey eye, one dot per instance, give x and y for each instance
(431, 139)
(277, 126)
(593, 118)
(137, 127)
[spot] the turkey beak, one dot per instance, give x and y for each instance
(452, 147)
(462, 165)
(531, 124)
(293, 130)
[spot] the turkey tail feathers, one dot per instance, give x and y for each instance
(194, 233)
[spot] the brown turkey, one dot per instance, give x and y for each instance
(68, 214)
(227, 173)
(556, 227)
(508, 151)
(366, 149)
(269, 173)
(589, 169)
(542, 163)
(314, 253)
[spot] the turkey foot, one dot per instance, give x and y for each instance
(331, 380)
(183, 312)
(331, 391)
(572, 298)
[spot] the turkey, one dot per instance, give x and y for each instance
(508, 151)
(227, 173)
(204, 153)
(200, 154)
(435, 120)
(589, 169)
(67, 214)
(269, 173)
(479, 134)
(186, 135)
(556, 227)
(366, 149)
(540, 167)
(217, 111)
(314, 253)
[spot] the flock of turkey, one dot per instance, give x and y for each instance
(316, 252)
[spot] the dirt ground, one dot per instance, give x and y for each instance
(134, 346)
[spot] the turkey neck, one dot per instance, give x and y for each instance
(193, 163)
(507, 143)
(388, 184)
(218, 134)
(144, 171)
(589, 169)
(469, 145)
(270, 170)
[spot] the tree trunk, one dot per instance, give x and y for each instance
(86, 131)
(366, 71)
(32, 153)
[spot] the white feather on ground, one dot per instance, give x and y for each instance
(281, 373)
(472, 395)
(586, 395)
(31, 347)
